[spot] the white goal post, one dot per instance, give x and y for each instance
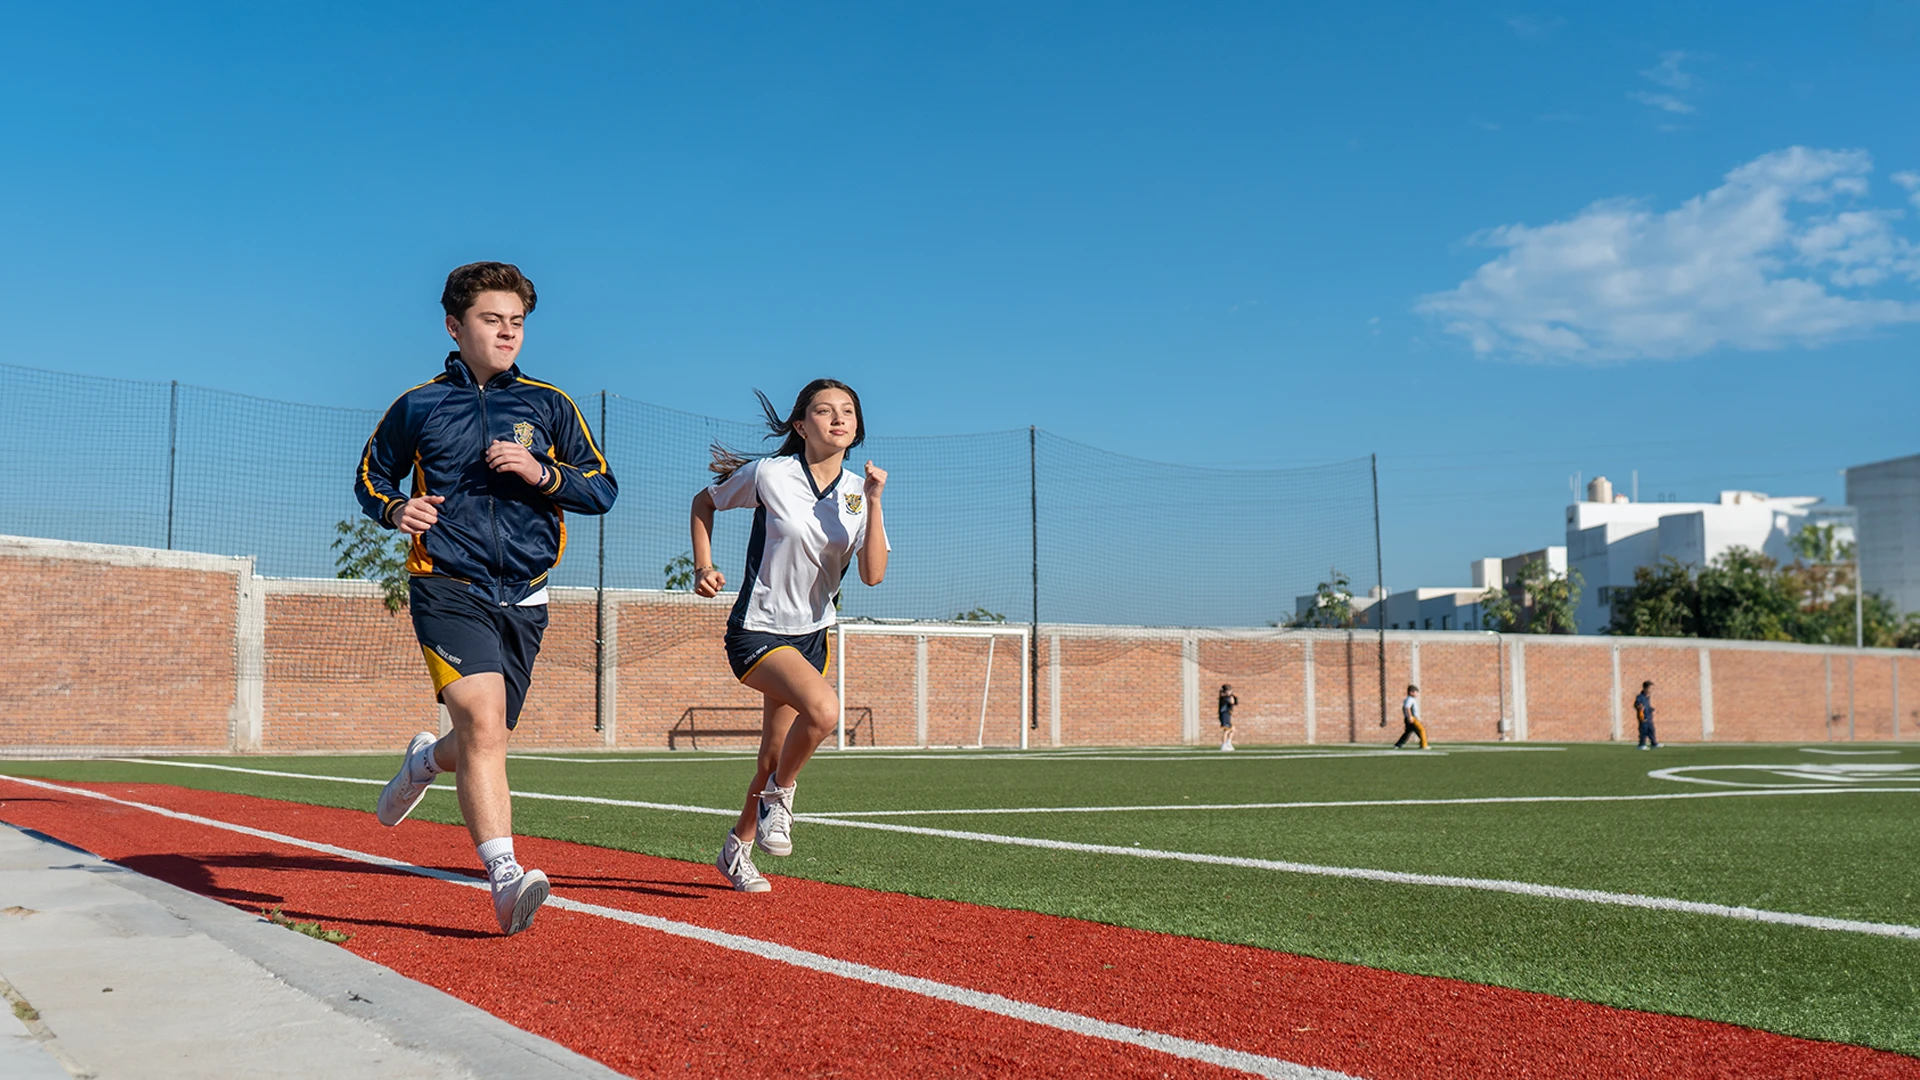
(994, 670)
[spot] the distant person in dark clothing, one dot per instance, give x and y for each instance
(1227, 702)
(1643, 711)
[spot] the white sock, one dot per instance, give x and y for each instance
(497, 856)
(423, 766)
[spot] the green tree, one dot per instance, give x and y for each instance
(679, 572)
(1664, 601)
(980, 614)
(1744, 597)
(1544, 604)
(1332, 606)
(365, 550)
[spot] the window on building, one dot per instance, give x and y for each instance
(1428, 626)
(1445, 621)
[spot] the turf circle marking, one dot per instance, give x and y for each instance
(1075, 1023)
(1847, 753)
(1882, 776)
(1392, 877)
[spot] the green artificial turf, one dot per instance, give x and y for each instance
(1843, 855)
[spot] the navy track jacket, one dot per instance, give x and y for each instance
(497, 532)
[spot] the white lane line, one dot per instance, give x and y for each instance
(1032, 756)
(999, 1005)
(1846, 753)
(639, 804)
(1522, 888)
(1481, 801)
(635, 804)
(702, 755)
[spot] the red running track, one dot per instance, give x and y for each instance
(645, 1002)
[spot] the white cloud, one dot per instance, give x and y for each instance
(1777, 255)
(1662, 101)
(1667, 72)
(1910, 181)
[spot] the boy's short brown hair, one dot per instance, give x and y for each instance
(469, 281)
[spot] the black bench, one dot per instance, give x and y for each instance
(743, 721)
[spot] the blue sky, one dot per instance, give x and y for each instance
(1496, 244)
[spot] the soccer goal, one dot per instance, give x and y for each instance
(933, 684)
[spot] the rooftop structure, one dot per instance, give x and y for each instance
(1609, 536)
(1886, 494)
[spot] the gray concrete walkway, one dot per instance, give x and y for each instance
(117, 976)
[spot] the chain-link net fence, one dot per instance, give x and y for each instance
(1022, 526)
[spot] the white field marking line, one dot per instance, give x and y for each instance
(635, 804)
(1074, 1023)
(703, 755)
(1846, 753)
(1522, 888)
(1799, 773)
(1486, 800)
(1030, 756)
(827, 816)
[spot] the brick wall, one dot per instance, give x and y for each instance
(124, 649)
(117, 649)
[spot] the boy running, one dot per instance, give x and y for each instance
(496, 459)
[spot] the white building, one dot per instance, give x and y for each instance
(1450, 607)
(1609, 536)
(1886, 494)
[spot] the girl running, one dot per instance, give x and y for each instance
(811, 515)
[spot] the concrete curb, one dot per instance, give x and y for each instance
(438, 1033)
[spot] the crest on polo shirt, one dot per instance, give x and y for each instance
(853, 502)
(523, 434)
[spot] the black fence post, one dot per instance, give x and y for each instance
(173, 436)
(1380, 576)
(1033, 635)
(600, 604)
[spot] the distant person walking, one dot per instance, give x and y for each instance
(1227, 702)
(1643, 712)
(1410, 716)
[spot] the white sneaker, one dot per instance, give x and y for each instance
(1226, 746)
(775, 833)
(736, 862)
(515, 903)
(403, 792)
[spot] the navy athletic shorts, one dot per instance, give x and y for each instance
(746, 648)
(462, 633)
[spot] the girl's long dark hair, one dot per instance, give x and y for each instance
(727, 461)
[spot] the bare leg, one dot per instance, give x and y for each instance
(774, 723)
(786, 678)
(478, 706)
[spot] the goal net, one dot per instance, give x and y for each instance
(954, 684)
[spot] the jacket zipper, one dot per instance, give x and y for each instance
(493, 518)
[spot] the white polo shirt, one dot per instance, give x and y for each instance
(803, 540)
